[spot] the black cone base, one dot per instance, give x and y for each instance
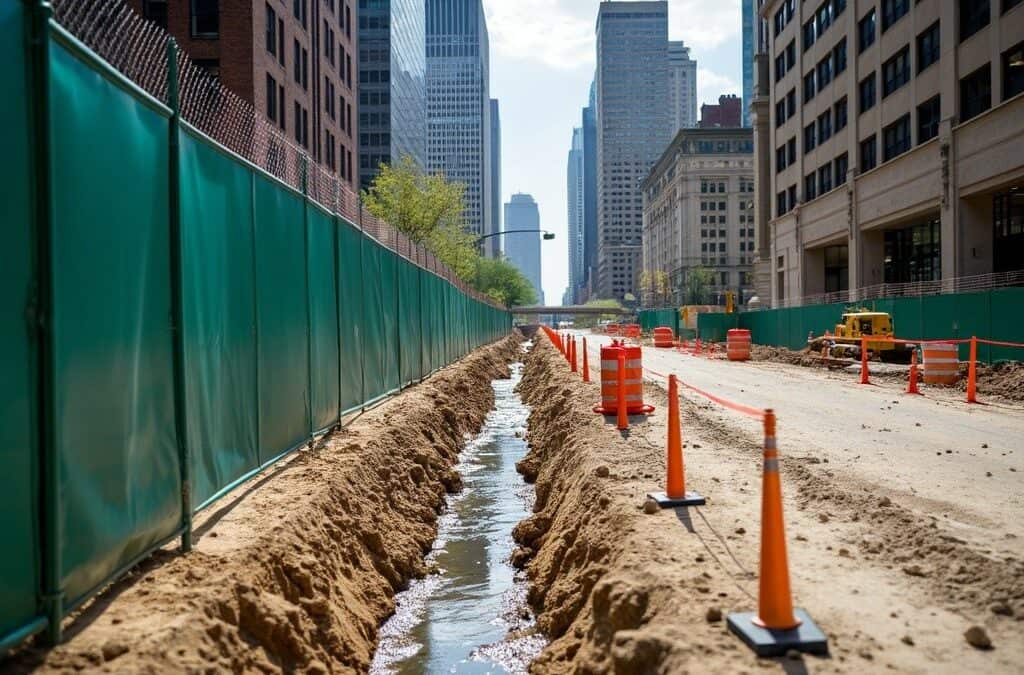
(806, 637)
(666, 502)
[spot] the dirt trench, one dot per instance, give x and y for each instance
(621, 591)
(296, 571)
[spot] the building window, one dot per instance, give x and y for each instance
(913, 254)
(896, 72)
(271, 30)
(780, 204)
(839, 112)
(809, 88)
(155, 11)
(209, 66)
(928, 47)
(975, 93)
(809, 35)
(868, 154)
(205, 18)
(780, 66)
(896, 138)
(824, 71)
(837, 268)
(928, 120)
(824, 126)
(867, 93)
(791, 196)
(1013, 71)
(1008, 218)
(839, 57)
(780, 159)
(825, 178)
(810, 138)
(790, 54)
(810, 187)
(780, 113)
(791, 102)
(893, 11)
(299, 11)
(866, 31)
(790, 151)
(973, 17)
(272, 97)
(841, 165)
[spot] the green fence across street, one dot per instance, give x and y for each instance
(996, 314)
(172, 320)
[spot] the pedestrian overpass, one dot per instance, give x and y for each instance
(578, 310)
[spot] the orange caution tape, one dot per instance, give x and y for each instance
(725, 403)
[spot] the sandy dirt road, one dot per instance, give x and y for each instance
(895, 550)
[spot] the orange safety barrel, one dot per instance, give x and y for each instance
(737, 344)
(613, 329)
(634, 382)
(941, 364)
(663, 337)
(633, 330)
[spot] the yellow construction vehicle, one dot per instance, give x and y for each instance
(845, 341)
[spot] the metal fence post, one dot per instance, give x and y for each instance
(42, 323)
(309, 309)
(362, 304)
(177, 294)
(337, 286)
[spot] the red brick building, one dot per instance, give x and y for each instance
(727, 114)
(294, 60)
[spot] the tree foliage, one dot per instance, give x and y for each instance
(697, 281)
(589, 320)
(430, 209)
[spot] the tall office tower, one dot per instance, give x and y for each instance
(747, 54)
(523, 250)
(589, 194)
(493, 245)
(292, 61)
(682, 73)
(575, 192)
(392, 85)
(634, 126)
(459, 103)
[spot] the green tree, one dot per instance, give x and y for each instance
(590, 320)
(503, 281)
(697, 281)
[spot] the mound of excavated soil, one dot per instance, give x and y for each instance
(297, 570)
(1004, 379)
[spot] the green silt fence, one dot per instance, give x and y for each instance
(172, 320)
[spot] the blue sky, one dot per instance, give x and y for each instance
(542, 62)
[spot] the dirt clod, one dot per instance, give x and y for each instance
(978, 638)
(651, 507)
(713, 615)
(602, 471)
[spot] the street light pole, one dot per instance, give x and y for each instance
(548, 236)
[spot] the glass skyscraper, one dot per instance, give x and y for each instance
(459, 104)
(392, 85)
(575, 192)
(748, 60)
(523, 250)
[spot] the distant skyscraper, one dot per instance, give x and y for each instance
(589, 193)
(575, 191)
(392, 92)
(634, 128)
(523, 250)
(682, 73)
(493, 244)
(748, 58)
(459, 103)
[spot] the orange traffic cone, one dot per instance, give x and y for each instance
(776, 627)
(972, 373)
(912, 385)
(697, 348)
(675, 493)
(572, 354)
(586, 364)
(864, 361)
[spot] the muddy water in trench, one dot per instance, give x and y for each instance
(470, 615)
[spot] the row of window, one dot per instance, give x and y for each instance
(784, 16)
(828, 68)
(829, 175)
(822, 19)
(828, 123)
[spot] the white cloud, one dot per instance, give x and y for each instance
(705, 24)
(545, 31)
(711, 85)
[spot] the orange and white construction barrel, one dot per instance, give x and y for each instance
(941, 364)
(634, 382)
(663, 337)
(737, 344)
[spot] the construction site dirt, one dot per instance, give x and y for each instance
(295, 571)
(904, 523)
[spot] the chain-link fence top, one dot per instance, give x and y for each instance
(137, 48)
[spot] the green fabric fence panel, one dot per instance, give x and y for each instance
(409, 321)
(1007, 315)
(388, 310)
(19, 498)
(353, 315)
(373, 353)
(281, 314)
(219, 316)
(323, 304)
(711, 327)
(119, 472)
